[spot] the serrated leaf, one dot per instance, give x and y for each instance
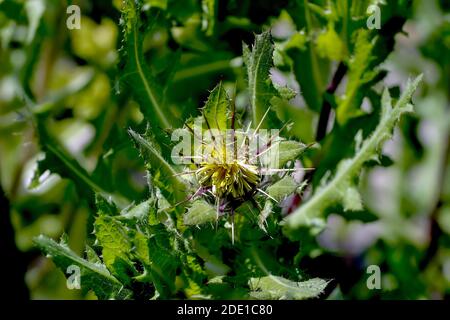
(146, 89)
(289, 150)
(337, 189)
(116, 246)
(285, 92)
(216, 108)
(140, 243)
(194, 268)
(174, 186)
(92, 256)
(141, 212)
(105, 206)
(352, 199)
(360, 73)
(158, 257)
(94, 276)
(199, 212)
(278, 288)
(195, 276)
(258, 62)
(282, 151)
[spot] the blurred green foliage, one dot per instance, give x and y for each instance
(69, 166)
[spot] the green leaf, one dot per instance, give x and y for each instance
(278, 288)
(94, 276)
(194, 273)
(174, 186)
(199, 212)
(146, 89)
(13, 10)
(159, 258)
(360, 73)
(302, 120)
(141, 251)
(141, 212)
(216, 108)
(92, 256)
(282, 152)
(104, 206)
(116, 246)
(258, 62)
(310, 70)
(341, 188)
(282, 188)
(289, 150)
(330, 45)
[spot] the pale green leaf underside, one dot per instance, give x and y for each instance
(282, 188)
(140, 212)
(281, 152)
(200, 212)
(289, 150)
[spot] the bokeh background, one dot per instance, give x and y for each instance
(72, 75)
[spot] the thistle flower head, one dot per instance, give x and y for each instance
(229, 180)
(232, 163)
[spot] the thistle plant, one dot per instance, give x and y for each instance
(232, 168)
(232, 165)
(233, 199)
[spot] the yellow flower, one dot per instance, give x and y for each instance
(235, 179)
